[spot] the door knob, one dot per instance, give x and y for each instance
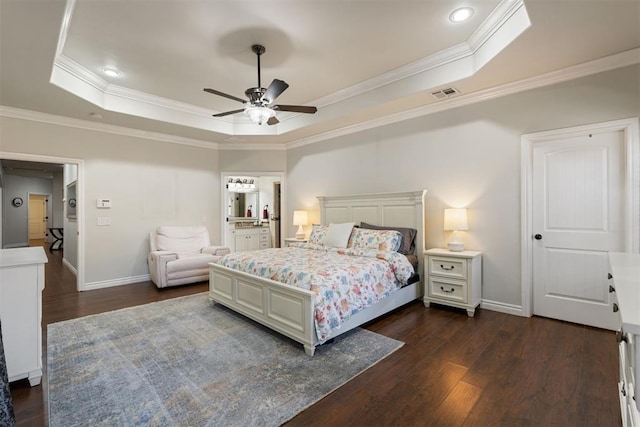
(538, 237)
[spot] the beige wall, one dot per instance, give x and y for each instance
(253, 161)
(469, 156)
(149, 182)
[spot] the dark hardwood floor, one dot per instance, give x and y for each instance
(490, 370)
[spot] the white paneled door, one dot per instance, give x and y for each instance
(578, 216)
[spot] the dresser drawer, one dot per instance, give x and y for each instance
(448, 267)
(452, 290)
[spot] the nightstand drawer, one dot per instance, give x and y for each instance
(455, 268)
(453, 290)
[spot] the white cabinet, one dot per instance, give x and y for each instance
(624, 288)
(21, 285)
(453, 278)
(250, 238)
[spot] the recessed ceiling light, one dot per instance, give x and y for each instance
(111, 72)
(461, 14)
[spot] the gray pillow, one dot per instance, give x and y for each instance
(408, 244)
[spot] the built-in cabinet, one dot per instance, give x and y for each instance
(249, 238)
(21, 286)
(624, 289)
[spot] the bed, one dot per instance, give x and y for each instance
(290, 310)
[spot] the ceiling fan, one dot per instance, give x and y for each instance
(258, 107)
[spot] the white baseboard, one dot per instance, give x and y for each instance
(69, 266)
(502, 307)
(116, 282)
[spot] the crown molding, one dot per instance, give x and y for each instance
(35, 116)
(250, 146)
(608, 63)
(501, 14)
(82, 82)
(498, 17)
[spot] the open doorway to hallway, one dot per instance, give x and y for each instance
(38, 185)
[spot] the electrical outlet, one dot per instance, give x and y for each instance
(104, 221)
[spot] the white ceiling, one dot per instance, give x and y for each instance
(357, 61)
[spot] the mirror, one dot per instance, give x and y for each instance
(243, 205)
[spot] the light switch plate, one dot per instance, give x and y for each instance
(104, 220)
(103, 203)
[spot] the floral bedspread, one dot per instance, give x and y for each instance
(345, 281)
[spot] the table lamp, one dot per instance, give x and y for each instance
(455, 220)
(300, 219)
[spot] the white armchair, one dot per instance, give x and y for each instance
(181, 255)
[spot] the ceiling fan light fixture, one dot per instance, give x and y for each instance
(259, 114)
(461, 14)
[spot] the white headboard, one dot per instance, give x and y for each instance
(405, 209)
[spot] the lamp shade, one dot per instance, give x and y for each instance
(300, 218)
(455, 219)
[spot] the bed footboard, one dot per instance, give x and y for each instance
(285, 309)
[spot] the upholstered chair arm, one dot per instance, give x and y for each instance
(158, 266)
(216, 250)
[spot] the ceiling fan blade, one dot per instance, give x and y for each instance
(296, 108)
(227, 113)
(215, 92)
(274, 90)
(273, 121)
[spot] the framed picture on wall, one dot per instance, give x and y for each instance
(71, 200)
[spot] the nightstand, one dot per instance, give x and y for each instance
(453, 278)
(289, 240)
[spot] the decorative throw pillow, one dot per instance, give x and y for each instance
(380, 240)
(318, 232)
(338, 234)
(408, 244)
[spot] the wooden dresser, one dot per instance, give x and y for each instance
(21, 285)
(624, 287)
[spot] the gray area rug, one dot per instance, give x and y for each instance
(183, 362)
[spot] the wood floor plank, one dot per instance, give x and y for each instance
(456, 407)
(490, 370)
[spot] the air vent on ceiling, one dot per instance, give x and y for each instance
(445, 93)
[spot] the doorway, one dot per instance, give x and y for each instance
(580, 188)
(268, 203)
(39, 213)
(76, 239)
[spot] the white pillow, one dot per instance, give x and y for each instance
(338, 234)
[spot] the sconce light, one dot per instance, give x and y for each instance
(455, 220)
(300, 218)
